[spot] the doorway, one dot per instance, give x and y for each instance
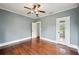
(36, 30)
(63, 30)
(36, 33)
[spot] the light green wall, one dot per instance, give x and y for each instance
(48, 24)
(14, 26)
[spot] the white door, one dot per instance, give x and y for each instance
(63, 30)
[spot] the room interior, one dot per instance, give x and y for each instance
(39, 29)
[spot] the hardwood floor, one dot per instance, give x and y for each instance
(38, 47)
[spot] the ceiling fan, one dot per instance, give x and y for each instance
(35, 9)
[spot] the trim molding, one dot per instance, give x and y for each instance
(78, 49)
(74, 6)
(15, 12)
(35, 35)
(13, 42)
(69, 45)
(24, 39)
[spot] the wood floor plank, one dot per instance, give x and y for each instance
(38, 47)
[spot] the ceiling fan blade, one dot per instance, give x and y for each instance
(42, 11)
(29, 13)
(27, 7)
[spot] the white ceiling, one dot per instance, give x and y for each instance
(50, 8)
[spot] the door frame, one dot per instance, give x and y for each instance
(67, 34)
(33, 34)
(40, 27)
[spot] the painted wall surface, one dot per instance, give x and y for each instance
(78, 25)
(14, 26)
(48, 25)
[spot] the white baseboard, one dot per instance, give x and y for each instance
(13, 42)
(69, 45)
(24, 39)
(78, 50)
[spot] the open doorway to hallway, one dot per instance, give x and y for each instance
(36, 30)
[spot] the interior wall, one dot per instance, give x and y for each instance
(78, 25)
(14, 26)
(48, 25)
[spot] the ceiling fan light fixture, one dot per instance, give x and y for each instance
(32, 11)
(37, 12)
(39, 9)
(35, 9)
